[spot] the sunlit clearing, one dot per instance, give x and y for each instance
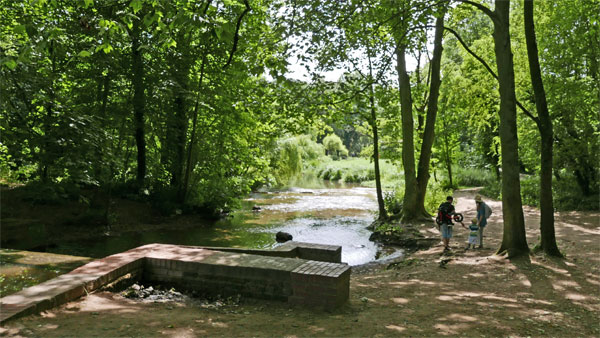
(525, 282)
(395, 328)
(413, 282)
(316, 329)
(451, 329)
(485, 296)
(543, 315)
(592, 281)
(371, 277)
(575, 296)
(559, 271)
(400, 300)
(371, 286)
(217, 324)
(459, 318)
(568, 283)
(475, 274)
(182, 333)
(536, 301)
(582, 229)
(447, 298)
(471, 261)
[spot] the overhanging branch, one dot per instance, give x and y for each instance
(489, 69)
(236, 37)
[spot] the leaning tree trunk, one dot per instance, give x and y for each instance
(409, 205)
(514, 242)
(432, 108)
(548, 238)
(139, 101)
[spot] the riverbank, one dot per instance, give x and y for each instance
(468, 293)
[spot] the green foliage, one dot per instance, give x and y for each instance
(568, 195)
(39, 193)
(334, 146)
(470, 177)
(310, 151)
(436, 194)
(530, 190)
(354, 170)
(288, 161)
(367, 152)
(393, 201)
(292, 155)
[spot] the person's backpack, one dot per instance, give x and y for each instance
(445, 213)
(487, 210)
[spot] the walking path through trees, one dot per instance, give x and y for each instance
(467, 293)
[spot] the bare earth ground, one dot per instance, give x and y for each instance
(474, 294)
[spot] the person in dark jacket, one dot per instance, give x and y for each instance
(446, 210)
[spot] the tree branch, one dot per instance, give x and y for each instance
(236, 37)
(481, 7)
(489, 69)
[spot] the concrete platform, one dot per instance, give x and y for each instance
(284, 273)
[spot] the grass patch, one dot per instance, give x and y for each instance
(355, 170)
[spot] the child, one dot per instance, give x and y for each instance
(473, 234)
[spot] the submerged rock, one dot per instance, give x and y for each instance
(281, 237)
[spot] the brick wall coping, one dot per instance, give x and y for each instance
(290, 257)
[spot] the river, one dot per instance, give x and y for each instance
(330, 214)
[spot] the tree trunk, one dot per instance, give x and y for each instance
(188, 165)
(382, 213)
(103, 91)
(409, 205)
(139, 101)
(177, 124)
(514, 242)
(548, 239)
(432, 108)
(177, 133)
(447, 159)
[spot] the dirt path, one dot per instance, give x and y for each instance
(475, 293)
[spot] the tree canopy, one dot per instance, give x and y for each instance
(190, 100)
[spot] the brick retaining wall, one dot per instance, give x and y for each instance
(301, 273)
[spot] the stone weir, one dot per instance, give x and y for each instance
(299, 273)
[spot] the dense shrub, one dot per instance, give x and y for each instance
(335, 147)
(568, 195)
(468, 177)
(51, 193)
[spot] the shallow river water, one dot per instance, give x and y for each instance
(336, 215)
